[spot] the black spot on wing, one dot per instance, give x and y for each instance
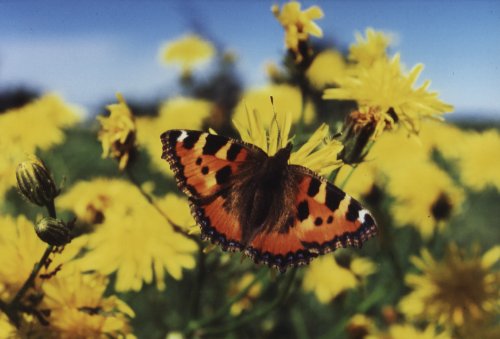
(191, 139)
(303, 210)
(222, 175)
(369, 222)
(314, 185)
(318, 221)
(213, 144)
(172, 136)
(330, 219)
(204, 170)
(198, 161)
(233, 151)
(353, 210)
(333, 198)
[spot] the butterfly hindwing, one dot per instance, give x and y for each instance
(322, 219)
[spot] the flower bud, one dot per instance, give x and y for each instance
(35, 182)
(53, 231)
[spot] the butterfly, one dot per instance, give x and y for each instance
(277, 213)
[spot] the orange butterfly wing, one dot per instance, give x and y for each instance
(323, 219)
(204, 164)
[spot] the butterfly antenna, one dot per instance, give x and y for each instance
(275, 120)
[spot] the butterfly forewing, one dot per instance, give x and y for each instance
(205, 165)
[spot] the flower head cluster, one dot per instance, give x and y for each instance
(79, 309)
(37, 125)
(319, 153)
(457, 291)
(127, 218)
(298, 24)
(117, 133)
(20, 248)
(387, 96)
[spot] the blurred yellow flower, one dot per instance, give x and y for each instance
(7, 330)
(479, 160)
(326, 69)
(187, 51)
(425, 195)
(117, 133)
(178, 210)
(37, 125)
(319, 152)
(152, 245)
(362, 180)
(474, 153)
(367, 50)
(20, 249)
(327, 279)
(78, 308)
(360, 326)
(385, 91)
(183, 113)
(298, 24)
(409, 331)
(455, 292)
(287, 100)
(246, 302)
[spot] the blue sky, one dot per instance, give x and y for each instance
(88, 50)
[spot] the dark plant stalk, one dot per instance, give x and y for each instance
(258, 313)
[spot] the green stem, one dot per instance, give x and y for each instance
(193, 326)
(16, 302)
(259, 312)
(198, 283)
(349, 175)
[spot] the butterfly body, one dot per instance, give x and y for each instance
(281, 214)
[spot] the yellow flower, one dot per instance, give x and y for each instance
(287, 100)
(398, 331)
(327, 279)
(474, 153)
(37, 125)
(425, 195)
(187, 51)
(455, 292)
(152, 245)
(7, 329)
(360, 326)
(361, 181)
(319, 153)
(478, 162)
(117, 133)
(178, 210)
(244, 303)
(367, 50)
(20, 249)
(183, 113)
(385, 91)
(326, 69)
(78, 308)
(298, 24)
